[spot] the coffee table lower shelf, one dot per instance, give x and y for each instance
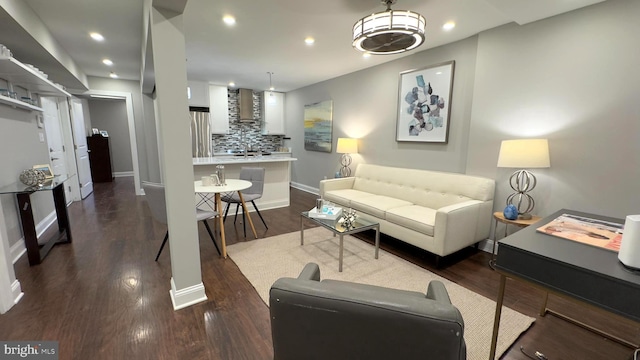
(337, 229)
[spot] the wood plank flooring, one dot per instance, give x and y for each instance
(104, 296)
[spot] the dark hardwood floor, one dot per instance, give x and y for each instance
(104, 296)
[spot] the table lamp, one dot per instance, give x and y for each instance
(345, 147)
(523, 154)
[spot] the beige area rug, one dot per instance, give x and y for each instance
(264, 261)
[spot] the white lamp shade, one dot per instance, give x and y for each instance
(524, 154)
(347, 146)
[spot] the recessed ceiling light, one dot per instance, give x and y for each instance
(96, 36)
(113, 75)
(107, 62)
(449, 25)
(232, 84)
(229, 20)
(309, 40)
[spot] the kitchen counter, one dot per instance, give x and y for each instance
(277, 174)
(231, 159)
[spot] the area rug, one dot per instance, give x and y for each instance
(264, 261)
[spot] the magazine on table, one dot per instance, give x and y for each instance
(595, 232)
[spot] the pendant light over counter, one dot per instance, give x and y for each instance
(389, 32)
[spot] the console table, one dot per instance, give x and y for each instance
(35, 251)
(587, 274)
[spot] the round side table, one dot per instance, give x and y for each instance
(498, 217)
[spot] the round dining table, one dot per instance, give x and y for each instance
(232, 185)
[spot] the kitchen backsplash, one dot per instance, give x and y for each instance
(253, 135)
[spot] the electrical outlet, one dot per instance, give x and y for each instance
(41, 136)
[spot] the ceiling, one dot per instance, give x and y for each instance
(268, 36)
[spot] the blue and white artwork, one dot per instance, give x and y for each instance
(318, 126)
(424, 104)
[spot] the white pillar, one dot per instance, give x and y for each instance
(10, 291)
(171, 97)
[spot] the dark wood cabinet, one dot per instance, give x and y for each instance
(100, 158)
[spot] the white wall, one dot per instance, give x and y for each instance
(572, 78)
(365, 106)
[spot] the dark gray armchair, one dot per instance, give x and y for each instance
(331, 319)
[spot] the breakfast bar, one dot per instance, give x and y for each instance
(277, 174)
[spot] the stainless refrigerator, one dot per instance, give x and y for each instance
(201, 143)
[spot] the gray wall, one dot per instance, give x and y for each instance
(365, 106)
(20, 148)
(572, 78)
(111, 115)
(132, 87)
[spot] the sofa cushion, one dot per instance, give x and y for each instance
(377, 205)
(415, 217)
(345, 196)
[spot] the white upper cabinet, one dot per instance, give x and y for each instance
(273, 113)
(219, 109)
(198, 93)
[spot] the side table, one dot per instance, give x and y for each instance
(498, 216)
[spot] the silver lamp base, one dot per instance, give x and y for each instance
(522, 181)
(345, 161)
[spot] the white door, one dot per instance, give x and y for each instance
(52, 127)
(82, 151)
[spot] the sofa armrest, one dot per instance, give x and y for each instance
(336, 184)
(456, 225)
(311, 271)
(436, 291)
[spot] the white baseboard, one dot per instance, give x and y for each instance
(186, 297)
(486, 245)
(306, 188)
(16, 291)
(123, 173)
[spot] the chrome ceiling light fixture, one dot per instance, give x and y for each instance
(271, 88)
(272, 98)
(389, 32)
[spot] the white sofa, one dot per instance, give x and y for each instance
(436, 211)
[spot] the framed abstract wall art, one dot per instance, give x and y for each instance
(318, 118)
(424, 104)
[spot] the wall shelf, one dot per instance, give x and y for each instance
(18, 104)
(22, 75)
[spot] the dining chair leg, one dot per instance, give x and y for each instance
(226, 210)
(162, 246)
(206, 225)
(236, 216)
(258, 211)
(244, 224)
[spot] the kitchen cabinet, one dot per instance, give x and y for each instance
(100, 158)
(198, 93)
(273, 113)
(27, 81)
(219, 109)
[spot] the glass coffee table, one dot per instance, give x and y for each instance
(337, 228)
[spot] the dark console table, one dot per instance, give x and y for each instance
(591, 275)
(35, 251)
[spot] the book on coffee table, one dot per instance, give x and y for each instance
(332, 213)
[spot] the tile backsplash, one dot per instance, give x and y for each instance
(253, 130)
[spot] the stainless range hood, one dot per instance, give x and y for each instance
(245, 105)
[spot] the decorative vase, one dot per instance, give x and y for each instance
(32, 177)
(510, 212)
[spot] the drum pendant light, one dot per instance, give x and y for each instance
(389, 32)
